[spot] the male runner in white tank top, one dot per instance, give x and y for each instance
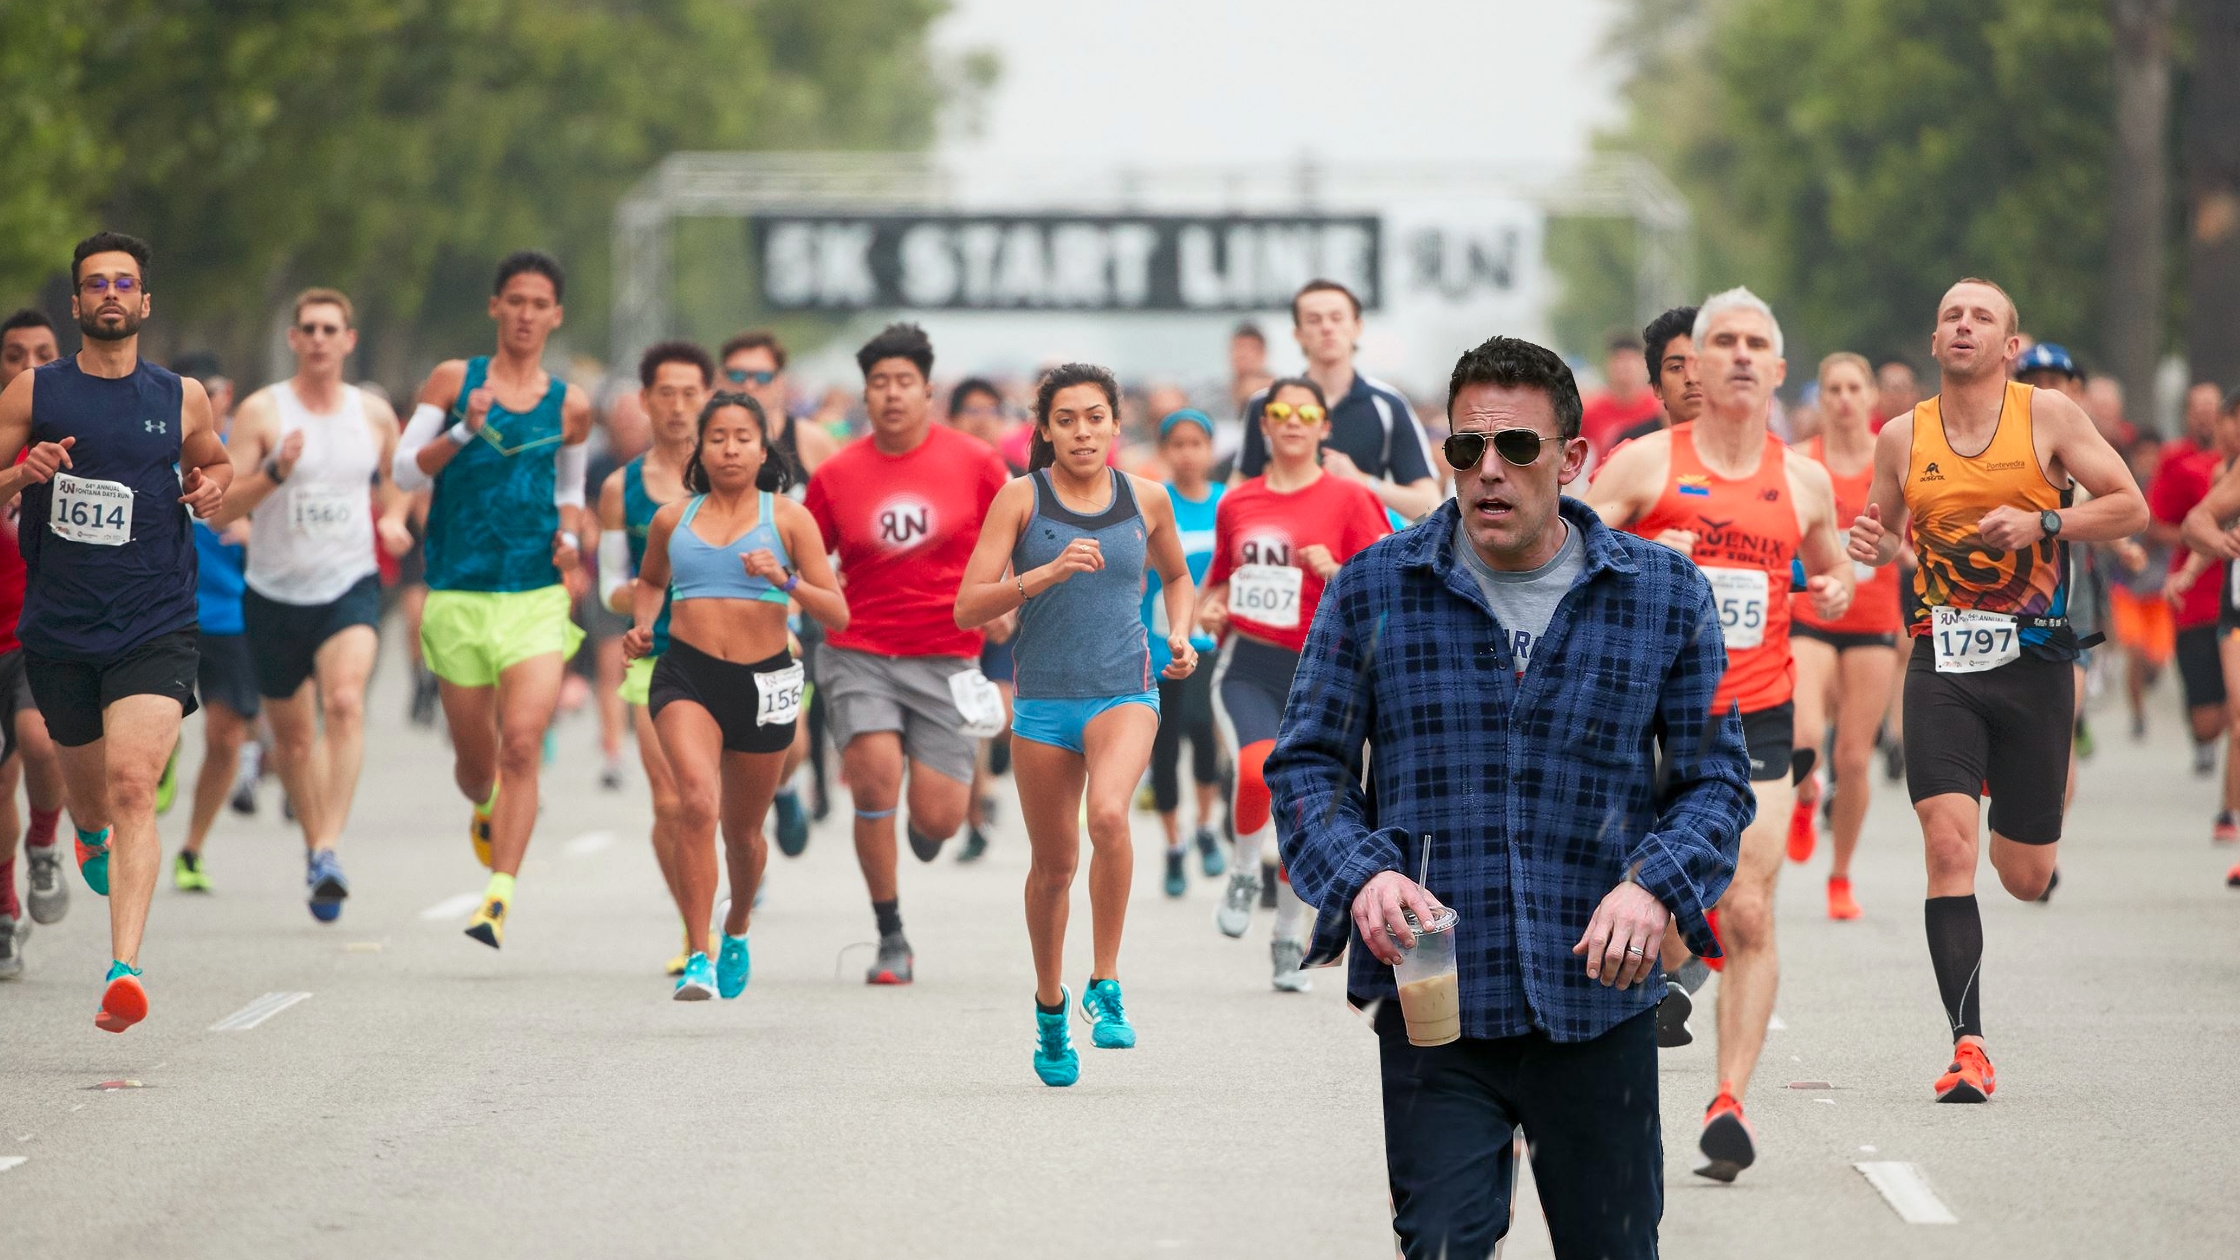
(307, 455)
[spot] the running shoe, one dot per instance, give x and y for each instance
(1177, 883)
(329, 887)
(478, 829)
(1672, 1018)
(1970, 1078)
(124, 1003)
(12, 934)
(926, 847)
(187, 874)
(895, 962)
(733, 967)
(1147, 801)
(244, 798)
(2226, 830)
(1693, 974)
(793, 823)
(93, 863)
(551, 745)
(245, 777)
(1267, 887)
(1289, 976)
(1894, 761)
(2204, 759)
(1210, 858)
(489, 923)
(975, 845)
(2231, 878)
(2053, 881)
(1804, 833)
(1841, 905)
(1235, 912)
(167, 787)
(698, 983)
(1055, 1059)
(50, 892)
(424, 696)
(675, 966)
(610, 777)
(999, 754)
(2082, 741)
(1109, 1028)
(1727, 1142)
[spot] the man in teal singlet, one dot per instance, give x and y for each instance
(501, 442)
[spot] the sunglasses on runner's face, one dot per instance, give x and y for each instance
(1284, 413)
(124, 285)
(1518, 446)
(315, 330)
(741, 376)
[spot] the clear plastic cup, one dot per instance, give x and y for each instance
(1430, 995)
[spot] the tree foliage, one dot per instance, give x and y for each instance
(396, 148)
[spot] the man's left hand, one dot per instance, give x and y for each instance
(1830, 598)
(1623, 936)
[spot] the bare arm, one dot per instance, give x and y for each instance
(1828, 573)
(2117, 509)
(209, 470)
(253, 425)
(985, 594)
(653, 582)
(1173, 567)
(15, 431)
(2206, 529)
(1628, 484)
(818, 591)
(1874, 536)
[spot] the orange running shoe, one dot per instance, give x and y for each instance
(2226, 830)
(1840, 903)
(2232, 877)
(124, 1003)
(1970, 1078)
(1804, 836)
(1711, 916)
(1727, 1142)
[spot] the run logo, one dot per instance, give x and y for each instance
(902, 523)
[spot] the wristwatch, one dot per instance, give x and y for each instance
(2050, 521)
(793, 579)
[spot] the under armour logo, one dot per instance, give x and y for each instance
(153, 426)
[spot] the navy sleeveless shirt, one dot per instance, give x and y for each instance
(1082, 639)
(88, 601)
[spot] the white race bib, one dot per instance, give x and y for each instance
(88, 511)
(1970, 640)
(1740, 595)
(325, 512)
(979, 704)
(779, 695)
(1266, 593)
(1861, 574)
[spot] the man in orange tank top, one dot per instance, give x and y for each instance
(1727, 493)
(1986, 470)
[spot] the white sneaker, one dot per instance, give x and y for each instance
(1288, 955)
(1235, 912)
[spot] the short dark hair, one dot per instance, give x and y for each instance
(777, 470)
(1249, 329)
(662, 352)
(111, 243)
(1619, 339)
(1040, 453)
(898, 341)
(534, 261)
(969, 386)
(755, 339)
(1680, 321)
(1319, 285)
(26, 318)
(1517, 364)
(1306, 383)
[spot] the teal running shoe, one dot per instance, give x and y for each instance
(1176, 884)
(698, 983)
(1055, 1060)
(732, 967)
(93, 861)
(793, 822)
(1109, 1028)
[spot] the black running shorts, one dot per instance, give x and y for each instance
(2200, 670)
(1770, 733)
(726, 689)
(72, 695)
(285, 638)
(2008, 728)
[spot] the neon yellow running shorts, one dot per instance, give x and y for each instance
(468, 638)
(637, 680)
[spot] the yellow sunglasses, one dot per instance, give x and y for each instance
(1285, 413)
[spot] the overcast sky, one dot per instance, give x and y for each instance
(1237, 80)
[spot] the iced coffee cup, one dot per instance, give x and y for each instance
(1430, 999)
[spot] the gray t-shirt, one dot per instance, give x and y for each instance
(1525, 601)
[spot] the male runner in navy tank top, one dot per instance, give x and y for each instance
(502, 444)
(118, 445)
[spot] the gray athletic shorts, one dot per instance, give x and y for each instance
(864, 693)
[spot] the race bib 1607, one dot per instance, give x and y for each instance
(1266, 593)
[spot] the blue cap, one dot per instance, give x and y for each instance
(2046, 357)
(1186, 415)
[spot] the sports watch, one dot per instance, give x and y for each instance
(2050, 521)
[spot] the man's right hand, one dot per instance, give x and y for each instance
(291, 450)
(478, 407)
(1380, 913)
(1867, 534)
(44, 459)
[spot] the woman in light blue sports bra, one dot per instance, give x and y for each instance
(727, 691)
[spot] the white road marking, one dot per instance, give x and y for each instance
(1907, 1191)
(452, 907)
(10, 1161)
(257, 1012)
(1774, 1023)
(590, 842)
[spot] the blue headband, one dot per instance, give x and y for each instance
(1189, 415)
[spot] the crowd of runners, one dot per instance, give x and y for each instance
(1070, 597)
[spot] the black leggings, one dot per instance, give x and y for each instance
(1185, 712)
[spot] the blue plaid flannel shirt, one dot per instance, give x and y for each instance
(1538, 793)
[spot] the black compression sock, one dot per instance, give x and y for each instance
(1059, 1009)
(1956, 951)
(889, 914)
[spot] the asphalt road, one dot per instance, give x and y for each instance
(433, 1098)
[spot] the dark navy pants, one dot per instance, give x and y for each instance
(1589, 1115)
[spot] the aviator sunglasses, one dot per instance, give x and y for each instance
(1284, 413)
(1517, 446)
(740, 376)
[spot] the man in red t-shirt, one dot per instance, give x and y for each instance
(26, 341)
(2188, 466)
(1626, 402)
(902, 509)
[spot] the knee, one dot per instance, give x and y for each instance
(1854, 760)
(668, 809)
(346, 708)
(520, 753)
(696, 810)
(1108, 824)
(132, 792)
(1054, 871)
(1947, 852)
(2025, 884)
(1746, 923)
(292, 743)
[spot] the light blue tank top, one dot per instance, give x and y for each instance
(699, 570)
(1082, 639)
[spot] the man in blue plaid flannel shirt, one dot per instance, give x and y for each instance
(1511, 672)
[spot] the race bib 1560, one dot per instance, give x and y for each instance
(325, 512)
(89, 511)
(1266, 593)
(1741, 598)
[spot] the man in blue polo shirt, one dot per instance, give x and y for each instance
(1374, 437)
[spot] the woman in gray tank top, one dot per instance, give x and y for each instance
(1067, 548)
